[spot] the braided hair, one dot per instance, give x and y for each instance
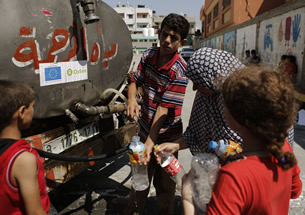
(263, 101)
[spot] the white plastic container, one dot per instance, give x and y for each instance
(139, 171)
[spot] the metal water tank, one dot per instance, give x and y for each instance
(48, 45)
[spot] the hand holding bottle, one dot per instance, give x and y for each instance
(170, 148)
(171, 166)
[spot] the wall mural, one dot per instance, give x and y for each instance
(208, 43)
(245, 40)
(284, 34)
(229, 42)
(219, 42)
(213, 43)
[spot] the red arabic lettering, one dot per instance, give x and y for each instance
(23, 57)
(25, 31)
(28, 52)
(109, 55)
(95, 54)
(58, 45)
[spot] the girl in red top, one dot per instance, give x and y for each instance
(260, 106)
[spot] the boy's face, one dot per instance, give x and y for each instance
(170, 41)
(28, 115)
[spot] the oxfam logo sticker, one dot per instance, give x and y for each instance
(69, 72)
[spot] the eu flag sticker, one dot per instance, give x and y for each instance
(52, 73)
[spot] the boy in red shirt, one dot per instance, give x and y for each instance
(260, 106)
(23, 188)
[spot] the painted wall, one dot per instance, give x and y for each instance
(229, 42)
(280, 35)
(245, 40)
(219, 42)
(213, 43)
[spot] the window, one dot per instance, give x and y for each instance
(215, 26)
(130, 16)
(226, 16)
(142, 25)
(225, 4)
(209, 18)
(215, 11)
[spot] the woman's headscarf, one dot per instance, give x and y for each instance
(208, 67)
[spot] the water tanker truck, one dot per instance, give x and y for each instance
(76, 55)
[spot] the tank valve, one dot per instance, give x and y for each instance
(89, 10)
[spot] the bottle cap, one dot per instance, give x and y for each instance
(135, 139)
(222, 147)
(212, 145)
(156, 147)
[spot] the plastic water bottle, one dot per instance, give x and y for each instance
(204, 171)
(139, 171)
(224, 148)
(172, 167)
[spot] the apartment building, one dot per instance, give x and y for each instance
(216, 15)
(140, 18)
(136, 18)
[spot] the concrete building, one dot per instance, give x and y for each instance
(144, 25)
(216, 15)
(136, 18)
(141, 42)
(139, 18)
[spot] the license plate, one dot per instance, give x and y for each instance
(73, 138)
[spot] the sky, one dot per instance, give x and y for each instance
(163, 7)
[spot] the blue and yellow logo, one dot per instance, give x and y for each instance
(52, 73)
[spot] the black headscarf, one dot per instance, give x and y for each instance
(208, 68)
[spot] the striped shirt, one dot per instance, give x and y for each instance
(163, 86)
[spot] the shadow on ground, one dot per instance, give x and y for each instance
(94, 192)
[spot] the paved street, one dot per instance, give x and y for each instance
(105, 188)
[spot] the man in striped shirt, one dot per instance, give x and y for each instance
(161, 75)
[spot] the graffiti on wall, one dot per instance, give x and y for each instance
(219, 42)
(245, 40)
(284, 34)
(268, 42)
(296, 29)
(213, 43)
(208, 43)
(229, 42)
